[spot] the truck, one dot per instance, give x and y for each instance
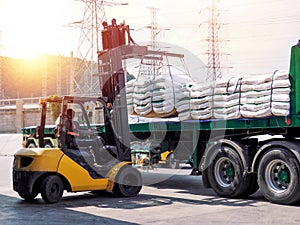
(236, 157)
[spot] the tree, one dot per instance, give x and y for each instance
(55, 108)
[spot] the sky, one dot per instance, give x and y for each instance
(255, 35)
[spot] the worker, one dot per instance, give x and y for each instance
(74, 132)
(73, 143)
(72, 129)
(113, 22)
(105, 25)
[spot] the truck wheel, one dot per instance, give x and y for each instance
(278, 176)
(128, 182)
(52, 189)
(225, 174)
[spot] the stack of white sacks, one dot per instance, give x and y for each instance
(201, 102)
(226, 99)
(265, 96)
(247, 97)
(256, 96)
(182, 101)
(156, 97)
(142, 97)
(163, 100)
(280, 105)
(129, 95)
(194, 101)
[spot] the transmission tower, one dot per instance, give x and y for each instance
(214, 71)
(82, 80)
(154, 28)
(44, 77)
(58, 76)
(149, 68)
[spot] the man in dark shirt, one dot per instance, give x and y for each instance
(72, 130)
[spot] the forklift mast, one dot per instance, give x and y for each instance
(112, 82)
(118, 46)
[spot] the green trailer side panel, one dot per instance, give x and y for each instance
(216, 124)
(295, 83)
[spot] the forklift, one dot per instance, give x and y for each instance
(83, 160)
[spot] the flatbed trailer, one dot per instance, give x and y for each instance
(191, 133)
(229, 154)
(231, 157)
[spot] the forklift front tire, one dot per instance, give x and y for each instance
(128, 182)
(52, 189)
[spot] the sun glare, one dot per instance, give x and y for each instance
(28, 47)
(32, 27)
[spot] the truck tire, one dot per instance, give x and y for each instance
(225, 174)
(128, 182)
(52, 189)
(278, 176)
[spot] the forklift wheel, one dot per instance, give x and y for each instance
(52, 189)
(128, 182)
(27, 197)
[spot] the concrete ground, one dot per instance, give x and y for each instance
(167, 197)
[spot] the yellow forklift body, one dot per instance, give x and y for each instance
(78, 177)
(54, 160)
(43, 159)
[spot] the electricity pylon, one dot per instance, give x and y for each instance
(82, 80)
(214, 66)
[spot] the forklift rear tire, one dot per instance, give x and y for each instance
(128, 182)
(28, 197)
(52, 189)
